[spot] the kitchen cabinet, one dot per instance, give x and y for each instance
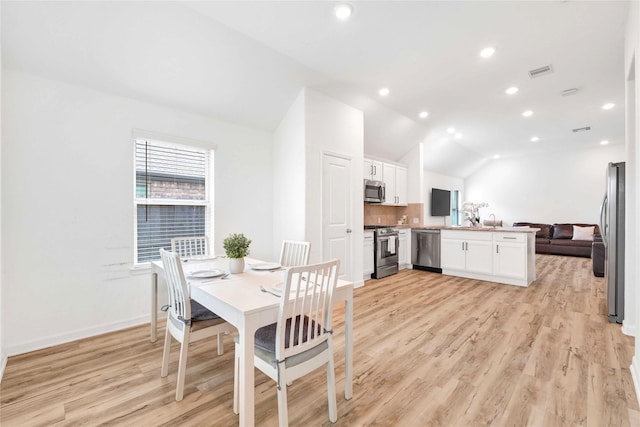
(372, 170)
(395, 179)
(468, 251)
(404, 251)
(486, 254)
(367, 253)
(510, 256)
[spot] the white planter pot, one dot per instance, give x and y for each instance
(236, 265)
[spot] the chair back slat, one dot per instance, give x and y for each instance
(294, 253)
(188, 247)
(306, 304)
(177, 288)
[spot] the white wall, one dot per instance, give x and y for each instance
(415, 174)
(289, 177)
(333, 127)
(67, 198)
(3, 353)
(546, 188)
(443, 182)
(632, 51)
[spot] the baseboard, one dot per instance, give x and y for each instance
(358, 283)
(3, 364)
(75, 335)
(635, 374)
(628, 329)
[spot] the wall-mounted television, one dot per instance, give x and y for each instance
(440, 202)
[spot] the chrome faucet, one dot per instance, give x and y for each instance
(494, 220)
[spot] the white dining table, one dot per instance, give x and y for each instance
(238, 299)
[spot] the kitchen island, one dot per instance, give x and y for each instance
(496, 254)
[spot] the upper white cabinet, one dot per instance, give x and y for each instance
(372, 170)
(395, 179)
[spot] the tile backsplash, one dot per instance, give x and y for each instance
(375, 214)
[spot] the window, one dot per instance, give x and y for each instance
(455, 208)
(171, 195)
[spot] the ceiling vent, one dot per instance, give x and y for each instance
(542, 71)
(568, 92)
(583, 129)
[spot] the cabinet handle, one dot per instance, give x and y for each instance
(375, 169)
(463, 246)
(497, 249)
(509, 238)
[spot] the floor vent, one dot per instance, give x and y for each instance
(542, 71)
(583, 129)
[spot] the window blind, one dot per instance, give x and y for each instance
(170, 195)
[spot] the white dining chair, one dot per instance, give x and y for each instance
(285, 352)
(294, 253)
(188, 247)
(186, 319)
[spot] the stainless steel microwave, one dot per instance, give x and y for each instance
(373, 191)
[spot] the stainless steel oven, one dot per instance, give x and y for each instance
(386, 247)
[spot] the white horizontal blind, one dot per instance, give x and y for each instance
(170, 195)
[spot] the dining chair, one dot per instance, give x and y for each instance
(187, 320)
(301, 340)
(188, 247)
(294, 253)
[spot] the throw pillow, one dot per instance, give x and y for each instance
(544, 232)
(562, 231)
(582, 233)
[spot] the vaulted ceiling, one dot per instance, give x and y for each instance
(245, 62)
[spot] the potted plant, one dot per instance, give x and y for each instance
(236, 247)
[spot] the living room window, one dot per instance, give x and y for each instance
(172, 184)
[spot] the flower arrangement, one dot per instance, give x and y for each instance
(236, 246)
(472, 211)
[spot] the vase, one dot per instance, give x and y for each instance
(236, 265)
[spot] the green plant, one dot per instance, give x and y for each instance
(236, 246)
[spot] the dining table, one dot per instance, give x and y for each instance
(244, 300)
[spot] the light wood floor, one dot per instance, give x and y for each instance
(431, 350)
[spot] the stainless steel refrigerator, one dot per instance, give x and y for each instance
(612, 230)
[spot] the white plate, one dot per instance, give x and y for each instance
(205, 274)
(266, 266)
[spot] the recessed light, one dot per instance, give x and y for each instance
(487, 52)
(451, 130)
(458, 135)
(343, 11)
(535, 139)
(384, 91)
(608, 106)
(527, 113)
(604, 142)
(511, 90)
(496, 156)
(424, 115)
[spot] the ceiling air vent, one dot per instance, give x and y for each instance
(542, 71)
(583, 129)
(568, 92)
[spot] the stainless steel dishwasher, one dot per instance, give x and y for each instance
(425, 249)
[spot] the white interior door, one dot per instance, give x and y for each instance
(336, 211)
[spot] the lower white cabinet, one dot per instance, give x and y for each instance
(503, 257)
(367, 254)
(469, 251)
(404, 251)
(510, 258)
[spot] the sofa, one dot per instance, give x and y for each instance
(559, 239)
